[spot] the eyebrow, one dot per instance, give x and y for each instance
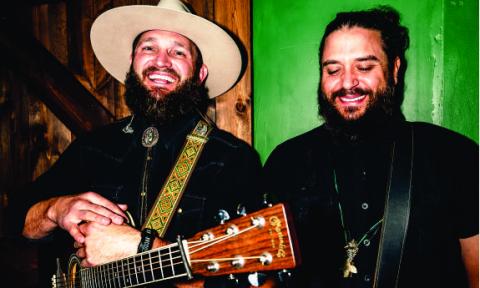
(359, 59)
(153, 39)
(368, 58)
(149, 39)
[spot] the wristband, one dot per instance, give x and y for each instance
(146, 242)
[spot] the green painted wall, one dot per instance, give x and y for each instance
(441, 80)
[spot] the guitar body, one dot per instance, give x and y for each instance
(259, 241)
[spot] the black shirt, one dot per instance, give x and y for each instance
(444, 204)
(112, 163)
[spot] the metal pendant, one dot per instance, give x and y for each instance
(351, 250)
(128, 129)
(150, 137)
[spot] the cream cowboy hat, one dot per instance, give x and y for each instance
(113, 32)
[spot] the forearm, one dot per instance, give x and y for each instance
(38, 224)
(470, 259)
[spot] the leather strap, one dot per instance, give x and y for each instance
(167, 200)
(397, 211)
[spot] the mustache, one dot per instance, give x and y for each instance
(344, 92)
(156, 69)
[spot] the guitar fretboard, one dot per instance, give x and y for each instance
(148, 267)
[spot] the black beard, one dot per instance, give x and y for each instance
(188, 97)
(381, 111)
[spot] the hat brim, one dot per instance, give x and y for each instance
(113, 32)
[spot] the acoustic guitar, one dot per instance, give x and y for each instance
(259, 241)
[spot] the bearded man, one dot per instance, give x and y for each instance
(178, 63)
(378, 201)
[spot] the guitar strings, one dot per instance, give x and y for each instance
(130, 276)
(131, 271)
(226, 259)
(220, 239)
(108, 274)
(131, 280)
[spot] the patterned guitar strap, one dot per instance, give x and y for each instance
(169, 197)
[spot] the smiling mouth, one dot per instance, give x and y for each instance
(350, 99)
(161, 78)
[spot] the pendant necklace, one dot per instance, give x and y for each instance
(352, 246)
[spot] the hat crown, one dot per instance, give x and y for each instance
(175, 5)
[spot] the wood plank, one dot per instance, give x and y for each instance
(56, 86)
(234, 108)
(77, 14)
(203, 8)
(5, 143)
(57, 33)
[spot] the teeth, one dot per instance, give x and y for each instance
(345, 99)
(161, 77)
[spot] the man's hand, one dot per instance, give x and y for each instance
(106, 243)
(67, 212)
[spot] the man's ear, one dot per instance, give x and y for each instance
(202, 74)
(396, 67)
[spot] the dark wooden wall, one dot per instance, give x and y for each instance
(47, 81)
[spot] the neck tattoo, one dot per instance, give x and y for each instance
(351, 245)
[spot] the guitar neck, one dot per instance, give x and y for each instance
(260, 241)
(152, 266)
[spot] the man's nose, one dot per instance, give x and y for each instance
(349, 80)
(162, 59)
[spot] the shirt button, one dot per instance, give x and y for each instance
(366, 242)
(366, 278)
(364, 175)
(364, 205)
(180, 210)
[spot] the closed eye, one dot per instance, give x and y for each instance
(332, 71)
(365, 68)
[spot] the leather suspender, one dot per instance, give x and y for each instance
(397, 211)
(167, 200)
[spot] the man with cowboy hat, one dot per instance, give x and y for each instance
(171, 63)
